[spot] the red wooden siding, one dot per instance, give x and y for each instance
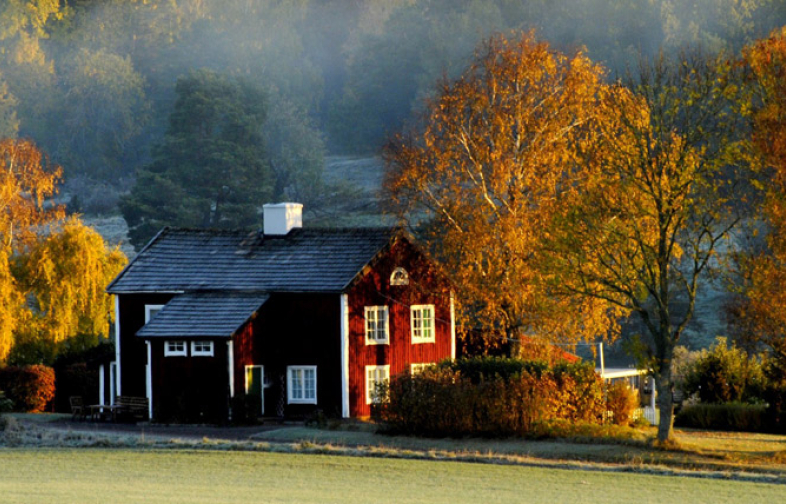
(374, 289)
(293, 330)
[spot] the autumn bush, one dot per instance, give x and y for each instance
(621, 403)
(444, 401)
(6, 404)
(31, 388)
(725, 374)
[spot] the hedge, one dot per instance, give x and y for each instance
(31, 388)
(466, 399)
(731, 416)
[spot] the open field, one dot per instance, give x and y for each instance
(92, 475)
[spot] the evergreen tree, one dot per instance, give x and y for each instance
(211, 169)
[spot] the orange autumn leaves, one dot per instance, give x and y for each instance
(763, 311)
(502, 151)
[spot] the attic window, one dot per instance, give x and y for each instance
(399, 277)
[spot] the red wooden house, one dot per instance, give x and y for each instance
(298, 319)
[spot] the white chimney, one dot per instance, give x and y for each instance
(281, 218)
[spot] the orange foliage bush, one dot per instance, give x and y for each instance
(621, 402)
(31, 388)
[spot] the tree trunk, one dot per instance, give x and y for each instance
(665, 402)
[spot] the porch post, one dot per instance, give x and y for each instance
(344, 305)
(231, 365)
(149, 379)
(117, 341)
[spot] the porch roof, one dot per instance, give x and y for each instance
(203, 315)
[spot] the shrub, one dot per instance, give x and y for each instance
(246, 409)
(479, 397)
(725, 374)
(775, 394)
(732, 416)
(6, 404)
(31, 388)
(621, 403)
(477, 368)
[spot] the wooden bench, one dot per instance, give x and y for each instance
(124, 407)
(135, 407)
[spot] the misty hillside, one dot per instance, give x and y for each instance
(362, 175)
(194, 113)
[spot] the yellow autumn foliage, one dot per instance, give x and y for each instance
(67, 273)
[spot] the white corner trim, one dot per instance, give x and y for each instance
(149, 380)
(117, 341)
(452, 328)
(345, 355)
(231, 364)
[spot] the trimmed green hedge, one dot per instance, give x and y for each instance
(731, 416)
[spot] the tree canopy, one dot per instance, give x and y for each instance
(53, 270)
(761, 309)
(211, 170)
(499, 153)
(647, 227)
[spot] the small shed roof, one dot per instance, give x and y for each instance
(203, 315)
(305, 260)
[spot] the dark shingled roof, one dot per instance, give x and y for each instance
(203, 315)
(305, 260)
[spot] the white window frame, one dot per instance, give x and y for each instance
(152, 308)
(417, 367)
(291, 389)
(415, 331)
(195, 352)
(169, 352)
(385, 328)
(371, 388)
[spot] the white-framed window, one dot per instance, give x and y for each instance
(422, 323)
(399, 277)
(201, 349)
(151, 310)
(377, 325)
(418, 367)
(175, 348)
(375, 375)
(301, 384)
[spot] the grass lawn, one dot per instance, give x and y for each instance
(88, 475)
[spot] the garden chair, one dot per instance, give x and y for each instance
(77, 408)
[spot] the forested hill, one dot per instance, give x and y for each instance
(93, 82)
